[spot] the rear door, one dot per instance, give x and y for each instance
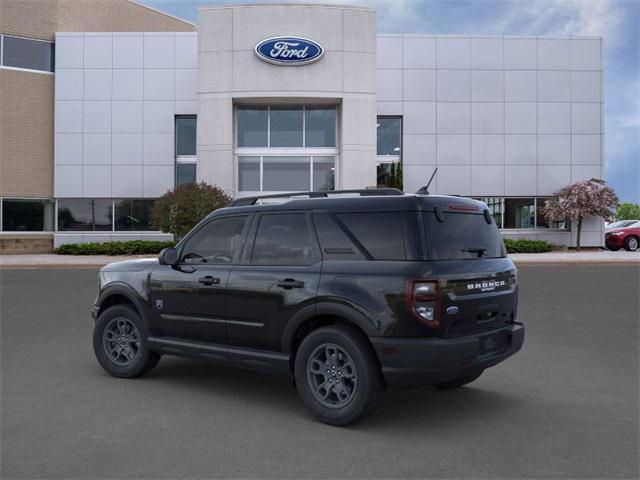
(278, 276)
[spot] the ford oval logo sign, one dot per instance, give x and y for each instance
(289, 51)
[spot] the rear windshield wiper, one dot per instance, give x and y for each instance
(479, 250)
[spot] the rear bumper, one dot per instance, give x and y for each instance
(414, 363)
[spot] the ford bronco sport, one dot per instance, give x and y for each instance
(348, 292)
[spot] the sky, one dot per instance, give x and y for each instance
(617, 21)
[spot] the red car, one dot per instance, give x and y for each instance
(627, 237)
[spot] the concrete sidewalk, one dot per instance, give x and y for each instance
(94, 261)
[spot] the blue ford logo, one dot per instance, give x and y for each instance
(289, 50)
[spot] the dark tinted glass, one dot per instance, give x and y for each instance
(519, 213)
(335, 244)
(84, 215)
(133, 215)
(283, 240)
(217, 242)
(27, 215)
(381, 234)
(253, 126)
(25, 53)
(286, 126)
(186, 135)
(320, 127)
(461, 236)
(185, 173)
(389, 132)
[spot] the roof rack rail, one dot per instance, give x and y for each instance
(246, 201)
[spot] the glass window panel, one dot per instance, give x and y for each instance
(249, 174)
(519, 213)
(283, 240)
(133, 215)
(23, 215)
(495, 207)
(320, 127)
(389, 132)
(460, 235)
(25, 53)
(82, 214)
(286, 174)
(215, 243)
(185, 173)
(543, 222)
(389, 175)
(186, 135)
(324, 169)
(381, 233)
(285, 124)
(252, 126)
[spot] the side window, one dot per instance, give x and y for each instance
(283, 239)
(336, 245)
(381, 234)
(216, 243)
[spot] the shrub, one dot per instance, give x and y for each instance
(178, 211)
(524, 245)
(131, 247)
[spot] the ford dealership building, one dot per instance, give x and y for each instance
(275, 98)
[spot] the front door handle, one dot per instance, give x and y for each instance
(209, 280)
(288, 283)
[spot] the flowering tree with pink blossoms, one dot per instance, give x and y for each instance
(586, 198)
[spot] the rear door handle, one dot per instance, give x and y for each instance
(209, 280)
(288, 283)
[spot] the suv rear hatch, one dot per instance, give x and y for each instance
(477, 283)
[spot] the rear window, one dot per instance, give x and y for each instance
(462, 236)
(381, 234)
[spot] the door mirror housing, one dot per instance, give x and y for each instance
(168, 256)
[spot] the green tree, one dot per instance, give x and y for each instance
(628, 211)
(178, 211)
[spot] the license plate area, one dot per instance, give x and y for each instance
(492, 344)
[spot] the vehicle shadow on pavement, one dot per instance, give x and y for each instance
(398, 410)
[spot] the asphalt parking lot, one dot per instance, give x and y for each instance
(566, 406)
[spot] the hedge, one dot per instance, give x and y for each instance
(524, 245)
(131, 247)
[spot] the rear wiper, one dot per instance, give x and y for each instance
(479, 250)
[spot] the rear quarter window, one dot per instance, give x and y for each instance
(380, 233)
(462, 236)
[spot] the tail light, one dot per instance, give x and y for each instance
(423, 301)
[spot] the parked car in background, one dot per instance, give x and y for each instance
(627, 237)
(620, 224)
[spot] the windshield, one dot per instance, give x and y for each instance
(462, 236)
(622, 224)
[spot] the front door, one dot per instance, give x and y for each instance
(279, 276)
(188, 299)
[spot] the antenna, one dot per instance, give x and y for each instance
(425, 189)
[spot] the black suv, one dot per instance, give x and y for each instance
(348, 292)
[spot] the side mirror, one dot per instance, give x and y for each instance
(168, 256)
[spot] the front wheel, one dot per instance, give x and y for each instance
(337, 375)
(459, 382)
(631, 244)
(120, 343)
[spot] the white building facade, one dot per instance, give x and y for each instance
(510, 120)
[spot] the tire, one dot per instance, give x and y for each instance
(631, 243)
(342, 355)
(458, 382)
(122, 322)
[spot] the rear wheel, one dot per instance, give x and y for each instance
(337, 375)
(459, 382)
(120, 343)
(631, 244)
